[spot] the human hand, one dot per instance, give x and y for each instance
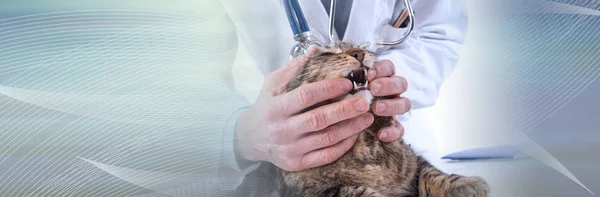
(384, 82)
(273, 130)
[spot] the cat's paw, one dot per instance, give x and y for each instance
(468, 187)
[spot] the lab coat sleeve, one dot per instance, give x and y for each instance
(259, 24)
(248, 17)
(233, 169)
(430, 54)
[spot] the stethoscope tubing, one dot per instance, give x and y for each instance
(295, 17)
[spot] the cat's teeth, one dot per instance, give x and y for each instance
(354, 83)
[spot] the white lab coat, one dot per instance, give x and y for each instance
(425, 59)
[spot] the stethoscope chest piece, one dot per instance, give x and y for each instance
(304, 42)
(297, 50)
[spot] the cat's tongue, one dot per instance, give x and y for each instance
(359, 79)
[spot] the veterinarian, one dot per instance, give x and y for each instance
(272, 131)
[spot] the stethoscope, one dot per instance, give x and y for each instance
(302, 31)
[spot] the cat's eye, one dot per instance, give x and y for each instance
(327, 54)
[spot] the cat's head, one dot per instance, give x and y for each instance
(339, 60)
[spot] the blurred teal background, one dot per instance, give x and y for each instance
(124, 83)
(144, 85)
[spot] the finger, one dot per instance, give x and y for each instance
(327, 115)
(334, 134)
(392, 107)
(391, 133)
(384, 68)
(313, 93)
(326, 155)
(388, 86)
(283, 75)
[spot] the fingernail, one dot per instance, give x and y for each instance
(372, 74)
(375, 88)
(346, 85)
(381, 107)
(361, 105)
(368, 120)
(383, 134)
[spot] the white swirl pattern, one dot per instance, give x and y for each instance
(147, 90)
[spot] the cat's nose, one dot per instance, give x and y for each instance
(357, 53)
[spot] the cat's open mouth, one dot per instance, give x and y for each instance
(359, 80)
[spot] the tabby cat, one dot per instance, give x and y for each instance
(371, 168)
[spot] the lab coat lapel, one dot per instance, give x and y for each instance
(361, 20)
(318, 19)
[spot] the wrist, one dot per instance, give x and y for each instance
(243, 147)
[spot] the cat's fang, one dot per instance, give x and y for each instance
(360, 86)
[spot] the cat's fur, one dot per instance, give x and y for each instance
(371, 167)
